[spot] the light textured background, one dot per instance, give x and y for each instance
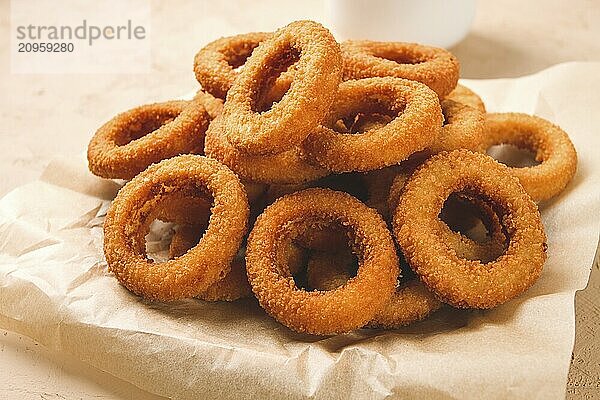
(46, 115)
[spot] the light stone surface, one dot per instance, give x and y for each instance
(46, 115)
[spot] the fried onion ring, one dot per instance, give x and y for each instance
(129, 217)
(216, 65)
(317, 61)
(457, 281)
(464, 95)
(460, 213)
(411, 302)
(184, 238)
(416, 124)
(186, 210)
(232, 287)
(131, 141)
(552, 147)
(435, 67)
(283, 168)
(321, 312)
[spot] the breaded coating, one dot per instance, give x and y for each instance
(184, 238)
(464, 95)
(455, 280)
(410, 302)
(462, 129)
(283, 168)
(416, 124)
(552, 147)
(460, 211)
(317, 61)
(128, 220)
(435, 67)
(131, 141)
(215, 65)
(235, 284)
(213, 105)
(341, 310)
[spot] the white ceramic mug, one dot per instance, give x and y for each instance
(440, 23)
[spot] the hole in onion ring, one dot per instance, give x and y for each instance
(513, 156)
(237, 59)
(400, 58)
(362, 122)
(187, 207)
(461, 216)
(139, 129)
(327, 273)
(476, 221)
(268, 95)
(447, 118)
(372, 113)
(158, 240)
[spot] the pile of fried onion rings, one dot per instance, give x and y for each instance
(344, 185)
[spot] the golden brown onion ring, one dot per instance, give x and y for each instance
(462, 129)
(435, 67)
(317, 73)
(552, 147)
(457, 281)
(410, 302)
(136, 205)
(216, 63)
(213, 106)
(329, 312)
(416, 124)
(464, 95)
(283, 168)
(131, 141)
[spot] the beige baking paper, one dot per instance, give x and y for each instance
(55, 288)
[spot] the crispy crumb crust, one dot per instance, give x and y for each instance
(417, 123)
(453, 211)
(410, 302)
(551, 145)
(457, 281)
(213, 105)
(283, 168)
(317, 74)
(464, 95)
(462, 129)
(232, 287)
(129, 217)
(215, 63)
(235, 284)
(131, 141)
(435, 67)
(344, 309)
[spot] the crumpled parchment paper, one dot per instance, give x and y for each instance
(55, 288)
